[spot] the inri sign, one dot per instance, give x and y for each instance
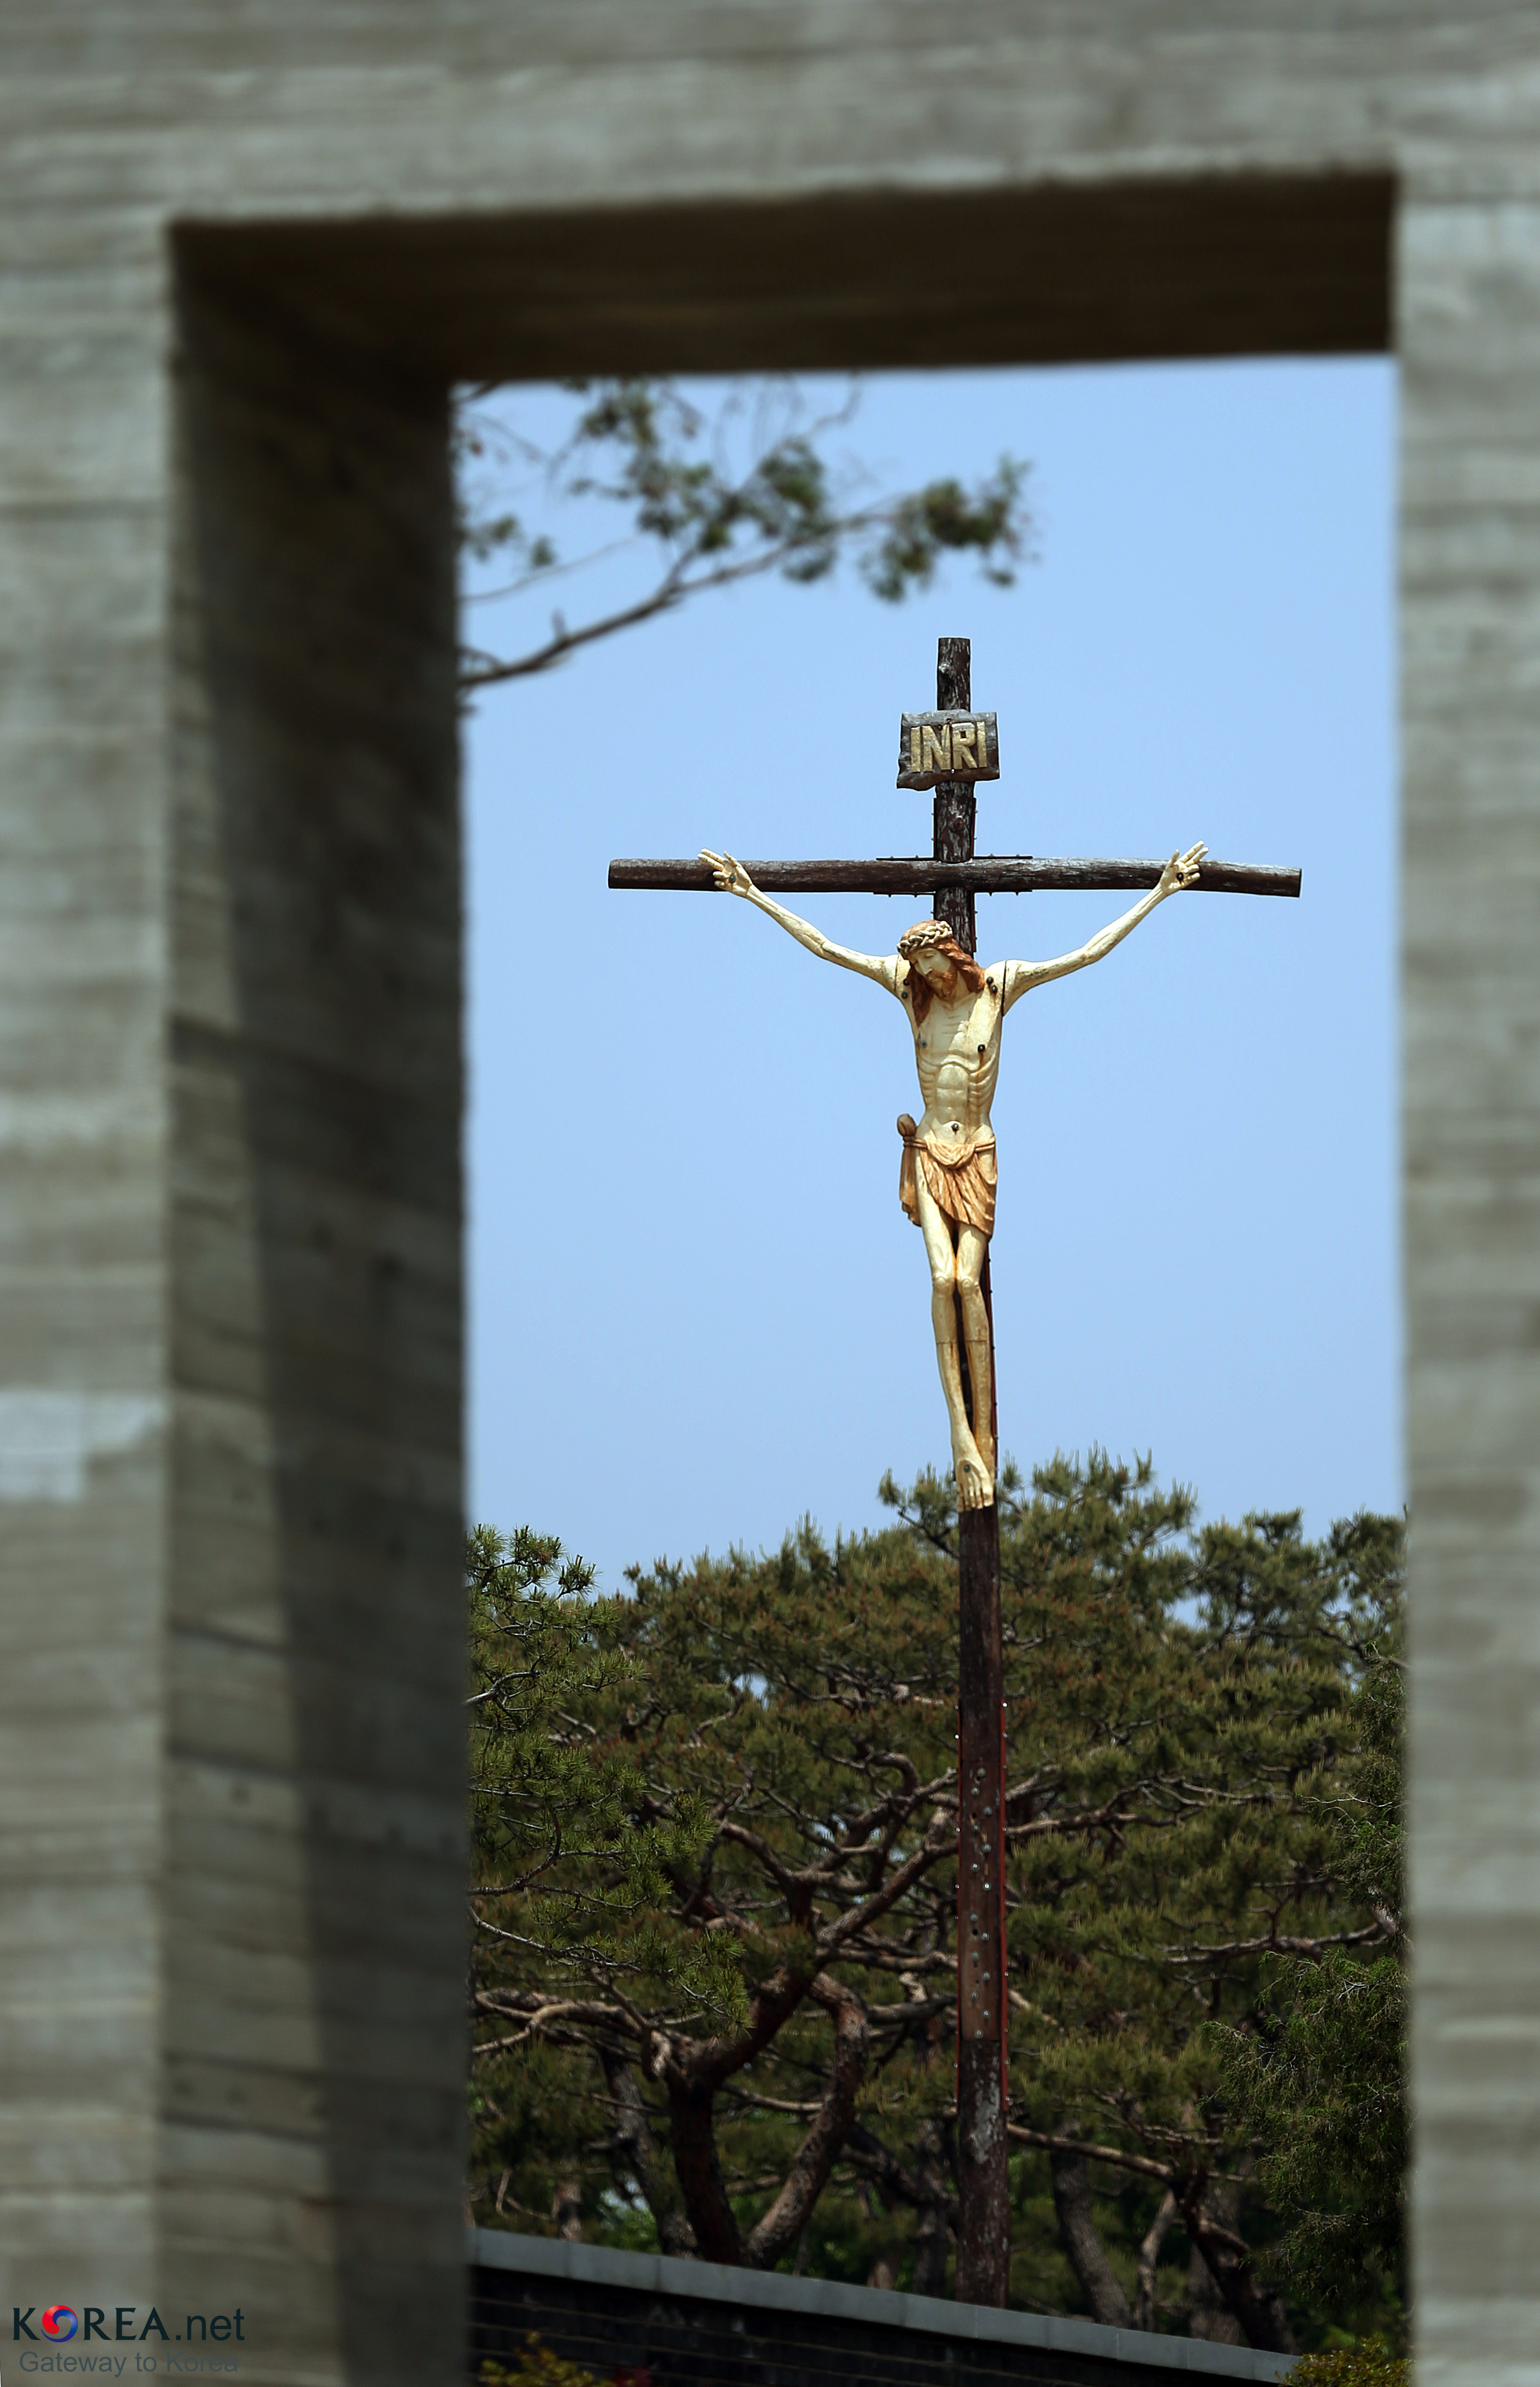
(935, 746)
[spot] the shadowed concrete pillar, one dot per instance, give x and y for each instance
(1469, 339)
(313, 1972)
(232, 1960)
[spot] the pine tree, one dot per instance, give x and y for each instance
(1319, 2077)
(715, 1967)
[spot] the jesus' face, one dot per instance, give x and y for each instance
(934, 967)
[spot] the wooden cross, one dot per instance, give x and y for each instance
(949, 751)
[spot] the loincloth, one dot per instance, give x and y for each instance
(960, 1174)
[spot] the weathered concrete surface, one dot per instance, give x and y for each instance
(242, 249)
(312, 1969)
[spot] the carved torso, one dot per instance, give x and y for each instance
(957, 1055)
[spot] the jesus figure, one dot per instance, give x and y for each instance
(947, 1175)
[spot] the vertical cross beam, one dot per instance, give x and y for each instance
(954, 808)
(983, 2183)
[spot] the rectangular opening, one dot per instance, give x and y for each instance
(316, 1141)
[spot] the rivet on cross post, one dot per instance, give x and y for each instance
(947, 1181)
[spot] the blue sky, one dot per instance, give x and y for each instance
(697, 1312)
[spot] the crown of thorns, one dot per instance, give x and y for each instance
(923, 933)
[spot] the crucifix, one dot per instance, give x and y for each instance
(947, 1182)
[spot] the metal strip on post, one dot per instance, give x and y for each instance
(1004, 1952)
(983, 2183)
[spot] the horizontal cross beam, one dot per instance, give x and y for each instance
(989, 873)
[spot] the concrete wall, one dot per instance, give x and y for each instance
(242, 249)
(312, 2095)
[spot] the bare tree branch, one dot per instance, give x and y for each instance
(1081, 2240)
(777, 2228)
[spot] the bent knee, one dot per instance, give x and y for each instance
(943, 1275)
(968, 1276)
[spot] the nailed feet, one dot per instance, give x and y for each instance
(975, 1480)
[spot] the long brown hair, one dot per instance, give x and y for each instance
(918, 987)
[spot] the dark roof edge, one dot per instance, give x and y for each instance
(609, 2267)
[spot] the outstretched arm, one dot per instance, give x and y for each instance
(732, 877)
(1179, 872)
